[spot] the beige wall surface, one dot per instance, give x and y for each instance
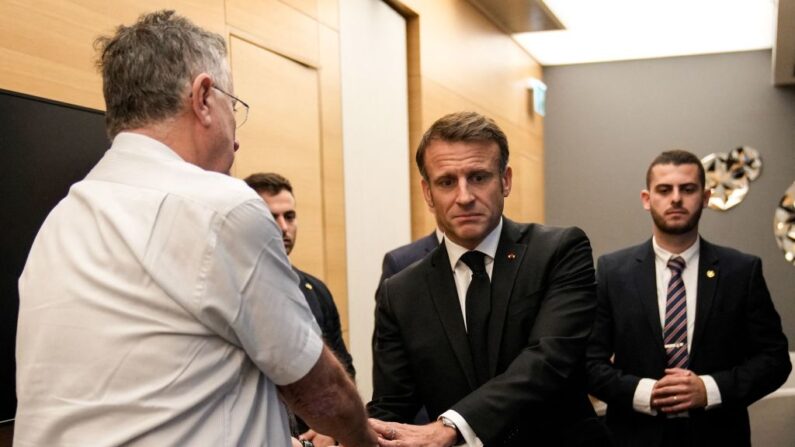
(459, 60)
(284, 56)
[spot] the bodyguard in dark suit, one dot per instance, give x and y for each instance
(320, 301)
(405, 255)
(277, 192)
(488, 331)
(686, 335)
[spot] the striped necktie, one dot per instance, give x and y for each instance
(675, 332)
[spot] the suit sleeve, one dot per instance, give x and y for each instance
(605, 381)
(332, 329)
(766, 365)
(555, 348)
(394, 390)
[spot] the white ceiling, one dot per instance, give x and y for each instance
(609, 30)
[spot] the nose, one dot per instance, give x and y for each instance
(237, 145)
(282, 224)
(676, 196)
(464, 195)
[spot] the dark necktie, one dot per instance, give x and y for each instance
(675, 332)
(478, 309)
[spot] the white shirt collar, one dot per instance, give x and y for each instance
(688, 255)
(139, 143)
(487, 246)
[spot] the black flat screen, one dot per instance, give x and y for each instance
(45, 147)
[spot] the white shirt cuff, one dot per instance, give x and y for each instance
(641, 401)
(713, 392)
(470, 438)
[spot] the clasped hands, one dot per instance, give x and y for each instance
(679, 390)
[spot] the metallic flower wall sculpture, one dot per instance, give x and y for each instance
(784, 224)
(729, 175)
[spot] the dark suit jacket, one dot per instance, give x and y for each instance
(737, 340)
(325, 311)
(402, 257)
(543, 303)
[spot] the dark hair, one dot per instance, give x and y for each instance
(269, 183)
(463, 126)
(147, 67)
(677, 157)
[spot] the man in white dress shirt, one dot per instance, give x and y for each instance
(157, 305)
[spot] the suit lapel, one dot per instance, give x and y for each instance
(646, 285)
(507, 260)
(705, 295)
(445, 299)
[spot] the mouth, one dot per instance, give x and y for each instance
(470, 217)
(676, 212)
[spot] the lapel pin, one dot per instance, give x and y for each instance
(710, 273)
(511, 256)
(308, 286)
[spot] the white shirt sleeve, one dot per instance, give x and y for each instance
(262, 305)
(641, 401)
(713, 392)
(470, 438)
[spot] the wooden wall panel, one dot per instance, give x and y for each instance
(282, 91)
(308, 7)
(46, 47)
(464, 51)
(55, 64)
(276, 26)
(333, 172)
(328, 12)
(528, 188)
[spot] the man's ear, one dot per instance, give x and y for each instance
(200, 98)
(507, 179)
(426, 193)
(644, 199)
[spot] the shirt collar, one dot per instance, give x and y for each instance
(141, 144)
(487, 246)
(664, 255)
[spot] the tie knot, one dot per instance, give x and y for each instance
(474, 260)
(677, 264)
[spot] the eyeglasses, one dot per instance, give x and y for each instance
(241, 113)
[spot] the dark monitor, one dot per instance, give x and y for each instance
(45, 147)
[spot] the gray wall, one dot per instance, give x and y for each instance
(605, 123)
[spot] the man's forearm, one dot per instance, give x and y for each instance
(327, 401)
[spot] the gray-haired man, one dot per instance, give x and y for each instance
(157, 306)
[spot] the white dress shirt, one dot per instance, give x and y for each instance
(158, 307)
(463, 276)
(642, 399)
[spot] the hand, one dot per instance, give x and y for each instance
(393, 434)
(319, 440)
(295, 442)
(679, 390)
